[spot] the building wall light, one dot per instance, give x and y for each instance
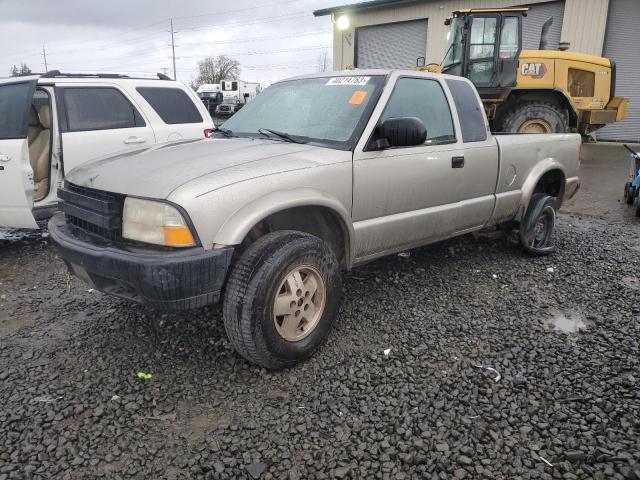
(342, 22)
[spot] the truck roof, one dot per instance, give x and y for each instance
(373, 72)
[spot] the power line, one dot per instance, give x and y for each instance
(251, 22)
(101, 45)
(84, 43)
(264, 52)
(173, 32)
(275, 4)
(204, 55)
(254, 39)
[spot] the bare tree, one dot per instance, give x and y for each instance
(216, 69)
(323, 61)
(20, 71)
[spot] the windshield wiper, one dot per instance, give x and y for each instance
(226, 132)
(282, 135)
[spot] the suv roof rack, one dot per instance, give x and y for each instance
(59, 74)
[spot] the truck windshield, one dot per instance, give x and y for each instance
(454, 43)
(325, 110)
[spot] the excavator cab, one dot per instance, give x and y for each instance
(483, 46)
(528, 91)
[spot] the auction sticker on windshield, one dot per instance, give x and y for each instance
(348, 81)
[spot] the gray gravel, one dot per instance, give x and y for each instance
(567, 405)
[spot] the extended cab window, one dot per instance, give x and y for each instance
(172, 105)
(423, 99)
(99, 108)
(470, 114)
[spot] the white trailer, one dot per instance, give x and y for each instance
(239, 89)
(211, 95)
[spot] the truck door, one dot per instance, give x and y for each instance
(16, 176)
(99, 120)
(479, 170)
(407, 196)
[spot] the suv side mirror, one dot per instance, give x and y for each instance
(400, 132)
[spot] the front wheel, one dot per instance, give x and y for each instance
(282, 298)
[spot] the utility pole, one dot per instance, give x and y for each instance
(173, 51)
(44, 54)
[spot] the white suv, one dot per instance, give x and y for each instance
(50, 124)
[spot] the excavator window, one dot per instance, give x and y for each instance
(509, 38)
(482, 47)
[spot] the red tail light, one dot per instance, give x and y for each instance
(208, 132)
(580, 153)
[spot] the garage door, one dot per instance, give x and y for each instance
(394, 45)
(621, 45)
(532, 25)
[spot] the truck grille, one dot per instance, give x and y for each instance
(94, 211)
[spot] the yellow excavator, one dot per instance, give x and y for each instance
(529, 91)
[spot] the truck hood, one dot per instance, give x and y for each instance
(157, 171)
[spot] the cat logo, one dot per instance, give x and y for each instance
(533, 70)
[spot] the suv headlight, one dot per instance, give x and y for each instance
(155, 222)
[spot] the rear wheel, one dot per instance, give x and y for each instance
(536, 229)
(534, 117)
(629, 193)
(282, 298)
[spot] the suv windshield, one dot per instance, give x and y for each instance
(454, 42)
(326, 110)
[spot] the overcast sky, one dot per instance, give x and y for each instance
(272, 39)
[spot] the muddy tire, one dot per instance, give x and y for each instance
(629, 193)
(282, 298)
(534, 117)
(538, 225)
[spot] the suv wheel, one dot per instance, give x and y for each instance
(282, 298)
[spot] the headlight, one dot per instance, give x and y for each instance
(155, 222)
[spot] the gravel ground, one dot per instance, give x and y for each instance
(566, 405)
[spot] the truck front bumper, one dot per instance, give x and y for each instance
(170, 280)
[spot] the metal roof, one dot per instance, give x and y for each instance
(362, 6)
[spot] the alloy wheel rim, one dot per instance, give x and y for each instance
(299, 303)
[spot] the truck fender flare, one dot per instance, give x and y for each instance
(534, 176)
(239, 223)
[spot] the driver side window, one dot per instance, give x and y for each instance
(424, 99)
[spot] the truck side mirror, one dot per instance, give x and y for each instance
(400, 132)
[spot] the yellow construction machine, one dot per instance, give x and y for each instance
(529, 91)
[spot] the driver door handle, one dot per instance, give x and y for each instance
(457, 162)
(134, 140)
(4, 157)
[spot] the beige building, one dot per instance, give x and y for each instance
(395, 33)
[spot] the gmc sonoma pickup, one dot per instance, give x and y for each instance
(317, 174)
